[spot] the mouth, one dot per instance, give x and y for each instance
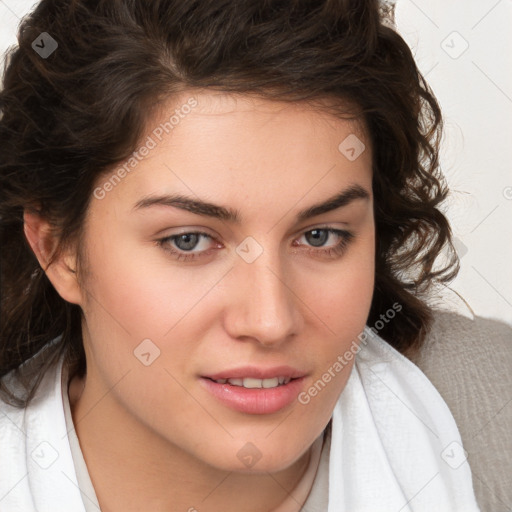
(256, 391)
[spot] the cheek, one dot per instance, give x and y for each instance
(137, 294)
(341, 294)
(341, 302)
(133, 286)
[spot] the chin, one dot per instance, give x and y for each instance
(257, 457)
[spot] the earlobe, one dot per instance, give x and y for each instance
(62, 271)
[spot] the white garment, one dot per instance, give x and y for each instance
(395, 445)
(394, 448)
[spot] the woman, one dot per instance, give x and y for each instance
(235, 209)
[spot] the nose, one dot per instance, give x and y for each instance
(262, 305)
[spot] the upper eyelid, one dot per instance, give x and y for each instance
(319, 225)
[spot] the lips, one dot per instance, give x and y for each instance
(256, 390)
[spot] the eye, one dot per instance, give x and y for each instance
(319, 236)
(186, 243)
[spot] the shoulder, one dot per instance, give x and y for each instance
(469, 361)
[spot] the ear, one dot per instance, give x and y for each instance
(62, 272)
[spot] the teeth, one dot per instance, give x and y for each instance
(261, 383)
(251, 383)
(268, 383)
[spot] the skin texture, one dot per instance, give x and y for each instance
(152, 436)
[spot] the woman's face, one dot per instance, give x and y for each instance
(274, 287)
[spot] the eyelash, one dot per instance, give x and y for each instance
(331, 252)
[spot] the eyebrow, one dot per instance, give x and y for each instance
(207, 209)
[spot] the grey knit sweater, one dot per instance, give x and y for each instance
(470, 364)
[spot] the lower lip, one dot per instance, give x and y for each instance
(255, 401)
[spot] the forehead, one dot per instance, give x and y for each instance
(244, 149)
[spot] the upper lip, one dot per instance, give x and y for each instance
(255, 372)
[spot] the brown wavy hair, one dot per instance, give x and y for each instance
(72, 116)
